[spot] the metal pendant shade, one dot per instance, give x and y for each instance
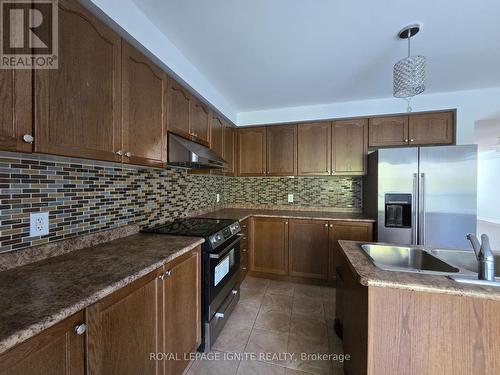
(409, 73)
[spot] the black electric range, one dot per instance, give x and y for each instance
(220, 268)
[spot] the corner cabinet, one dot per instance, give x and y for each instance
(78, 105)
(144, 88)
(15, 110)
(59, 350)
(252, 155)
(159, 313)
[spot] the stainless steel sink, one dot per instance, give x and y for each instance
(464, 259)
(407, 259)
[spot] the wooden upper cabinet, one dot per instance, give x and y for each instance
(78, 109)
(314, 151)
(178, 109)
(388, 131)
(58, 350)
(200, 121)
(182, 310)
(269, 245)
(252, 151)
(144, 87)
(124, 328)
(15, 109)
(282, 150)
(308, 248)
(350, 147)
(432, 128)
(230, 148)
(217, 135)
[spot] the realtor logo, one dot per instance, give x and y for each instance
(28, 34)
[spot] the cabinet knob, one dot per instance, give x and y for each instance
(333, 172)
(412, 140)
(165, 275)
(128, 154)
(243, 268)
(326, 225)
(406, 140)
(219, 315)
(234, 291)
(286, 222)
(331, 225)
(28, 138)
(243, 250)
(80, 329)
(119, 152)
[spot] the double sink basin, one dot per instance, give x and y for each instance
(460, 265)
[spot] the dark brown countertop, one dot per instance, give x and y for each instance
(372, 276)
(38, 295)
(241, 214)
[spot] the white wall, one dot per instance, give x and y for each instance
(472, 105)
(126, 14)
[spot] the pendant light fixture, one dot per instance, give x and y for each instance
(409, 73)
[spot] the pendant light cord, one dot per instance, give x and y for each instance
(409, 38)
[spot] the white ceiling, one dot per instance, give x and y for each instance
(266, 54)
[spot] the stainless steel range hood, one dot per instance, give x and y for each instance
(183, 153)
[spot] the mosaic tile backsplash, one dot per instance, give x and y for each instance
(315, 192)
(87, 197)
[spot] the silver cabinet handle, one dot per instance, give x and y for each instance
(165, 274)
(243, 226)
(80, 329)
(243, 268)
(128, 154)
(406, 140)
(286, 222)
(234, 291)
(326, 225)
(412, 140)
(219, 315)
(243, 250)
(119, 152)
(331, 225)
(28, 138)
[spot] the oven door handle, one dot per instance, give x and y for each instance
(226, 250)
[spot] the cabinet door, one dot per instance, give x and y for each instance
(314, 151)
(124, 329)
(58, 350)
(78, 109)
(178, 109)
(230, 148)
(217, 136)
(282, 150)
(349, 231)
(388, 131)
(432, 128)
(182, 306)
(144, 87)
(308, 244)
(245, 230)
(252, 151)
(15, 109)
(269, 246)
(350, 147)
(200, 121)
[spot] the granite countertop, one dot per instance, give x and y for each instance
(242, 214)
(370, 275)
(38, 295)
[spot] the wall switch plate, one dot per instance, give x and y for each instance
(290, 198)
(39, 224)
(218, 197)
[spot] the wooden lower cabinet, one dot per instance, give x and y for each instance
(269, 245)
(58, 350)
(349, 231)
(308, 249)
(125, 327)
(181, 310)
(159, 313)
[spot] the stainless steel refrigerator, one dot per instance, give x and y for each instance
(424, 195)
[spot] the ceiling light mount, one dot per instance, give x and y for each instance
(409, 31)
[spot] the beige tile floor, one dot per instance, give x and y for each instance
(273, 318)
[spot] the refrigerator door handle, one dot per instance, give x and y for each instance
(421, 219)
(414, 211)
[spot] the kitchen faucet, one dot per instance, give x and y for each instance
(484, 255)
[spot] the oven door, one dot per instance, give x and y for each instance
(224, 262)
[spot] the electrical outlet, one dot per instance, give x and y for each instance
(290, 198)
(39, 224)
(218, 197)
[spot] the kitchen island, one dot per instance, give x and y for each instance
(412, 323)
